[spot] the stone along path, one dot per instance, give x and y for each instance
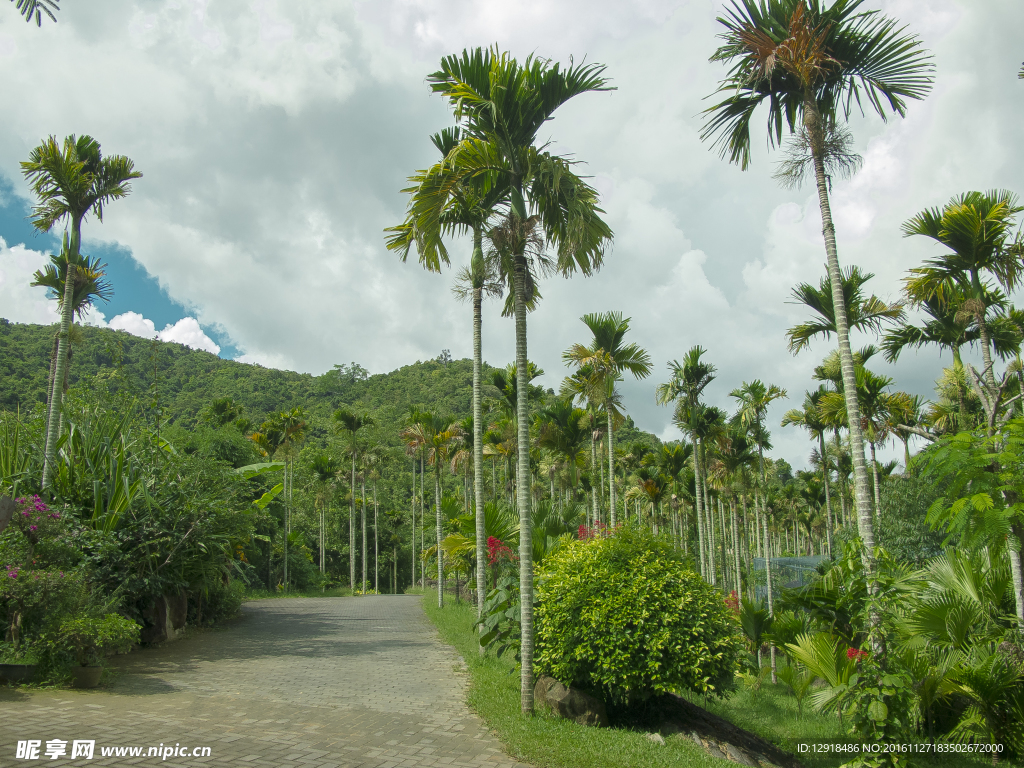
(303, 682)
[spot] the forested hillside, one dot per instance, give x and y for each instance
(182, 381)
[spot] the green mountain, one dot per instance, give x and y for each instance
(182, 381)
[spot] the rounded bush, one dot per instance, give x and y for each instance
(624, 617)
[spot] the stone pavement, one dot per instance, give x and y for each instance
(301, 682)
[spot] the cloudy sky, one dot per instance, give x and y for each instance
(275, 137)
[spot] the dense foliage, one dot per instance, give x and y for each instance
(624, 616)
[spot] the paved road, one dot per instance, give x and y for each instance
(310, 683)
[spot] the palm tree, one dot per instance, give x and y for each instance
(70, 181)
(280, 436)
(30, 8)
(325, 469)
(436, 434)
(563, 431)
(351, 423)
(812, 64)
(975, 227)
(89, 287)
(810, 418)
(471, 206)
(864, 314)
(605, 360)
(502, 106)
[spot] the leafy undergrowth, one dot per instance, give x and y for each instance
(546, 741)
(772, 713)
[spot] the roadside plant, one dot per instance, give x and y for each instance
(91, 640)
(623, 616)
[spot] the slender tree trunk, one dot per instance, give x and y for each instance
(376, 551)
(412, 543)
(352, 528)
(828, 493)
(523, 491)
(423, 525)
(611, 468)
(771, 600)
(437, 511)
(874, 475)
(736, 548)
(63, 344)
(698, 492)
(287, 523)
(478, 449)
(815, 130)
(362, 584)
(593, 464)
(1016, 571)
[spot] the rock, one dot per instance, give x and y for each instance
(696, 739)
(7, 510)
(656, 738)
(177, 609)
(569, 703)
(714, 751)
(161, 618)
(737, 754)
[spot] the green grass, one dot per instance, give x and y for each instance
(543, 740)
(550, 742)
(263, 594)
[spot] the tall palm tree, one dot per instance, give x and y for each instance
(470, 207)
(812, 64)
(351, 423)
(89, 287)
(976, 228)
(436, 434)
(325, 469)
(685, 387)
(606, 359)
(71, 181)
(810, 418)
(502, 105)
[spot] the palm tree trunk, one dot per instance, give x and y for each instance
(700, 508)
(736, 548)
(523, 491)
(437, 513)
(771, 600)
(423, 525)
(362, 584)
(481, 592)
(828, 493)
(63, 342)
(593, 464)
(865, 524)
(376, 551)
(412, 543)
(611, 468)
(1017, 572)
(874, 474)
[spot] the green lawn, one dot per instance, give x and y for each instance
(550, 742)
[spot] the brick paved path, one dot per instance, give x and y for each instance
(309, 683)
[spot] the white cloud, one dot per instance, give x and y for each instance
(18, 302)
(186, 331)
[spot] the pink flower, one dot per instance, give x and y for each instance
(33, 527)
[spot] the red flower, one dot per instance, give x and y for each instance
(732, 600)
(855, 654)
(496, 551)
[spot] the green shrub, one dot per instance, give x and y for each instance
(220, 601)
(90, 640)
(624, 617)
